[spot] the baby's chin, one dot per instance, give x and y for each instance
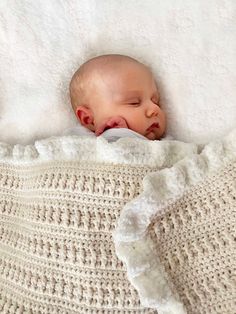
(152, 135)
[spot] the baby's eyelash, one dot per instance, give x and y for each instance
(138, 102)
(135, 103)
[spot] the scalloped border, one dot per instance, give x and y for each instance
(133, 245)
(131, 151)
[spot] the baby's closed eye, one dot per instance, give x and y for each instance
(134, 102)
(138, 102)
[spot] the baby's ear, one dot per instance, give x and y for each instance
(85, 116)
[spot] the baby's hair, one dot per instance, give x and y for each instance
(81, 77)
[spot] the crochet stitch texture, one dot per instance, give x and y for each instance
(64, 201)
(181, 229)
(59, 202)
(57, 253)
(195, 240)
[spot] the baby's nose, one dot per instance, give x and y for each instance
(152, 110)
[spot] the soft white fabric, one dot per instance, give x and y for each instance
(189, 44)
(124, 151)
(111, 135)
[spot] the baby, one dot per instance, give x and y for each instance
(117, 91)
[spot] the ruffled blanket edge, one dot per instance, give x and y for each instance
(133, 245)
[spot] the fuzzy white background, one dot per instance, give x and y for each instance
(190, 44)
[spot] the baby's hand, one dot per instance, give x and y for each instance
(114, 122)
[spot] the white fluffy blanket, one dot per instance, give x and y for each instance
(189, 44)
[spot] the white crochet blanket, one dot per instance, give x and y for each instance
(180, 233)
(60, 200)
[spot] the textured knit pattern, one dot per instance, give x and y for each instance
(56, 248)
(196, 241)
(178, 237)
(57, 222)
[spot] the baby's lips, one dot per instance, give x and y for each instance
(153, 126)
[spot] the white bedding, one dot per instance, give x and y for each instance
(189, 44)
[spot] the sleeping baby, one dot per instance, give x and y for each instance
(117, 93)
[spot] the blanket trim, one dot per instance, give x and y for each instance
(132, 151)
(132, 242)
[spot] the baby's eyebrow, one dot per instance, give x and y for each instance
(132, 94)
(128, 94)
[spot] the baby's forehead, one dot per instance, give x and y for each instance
(110, 64)
(115, 75)
(125, 71)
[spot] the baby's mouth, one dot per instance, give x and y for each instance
(153, 126)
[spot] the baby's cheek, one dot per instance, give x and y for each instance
(163, 120)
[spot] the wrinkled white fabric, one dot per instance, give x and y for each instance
(111, 135)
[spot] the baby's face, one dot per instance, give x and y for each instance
(129, 92)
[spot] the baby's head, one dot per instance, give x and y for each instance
(117, 86)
